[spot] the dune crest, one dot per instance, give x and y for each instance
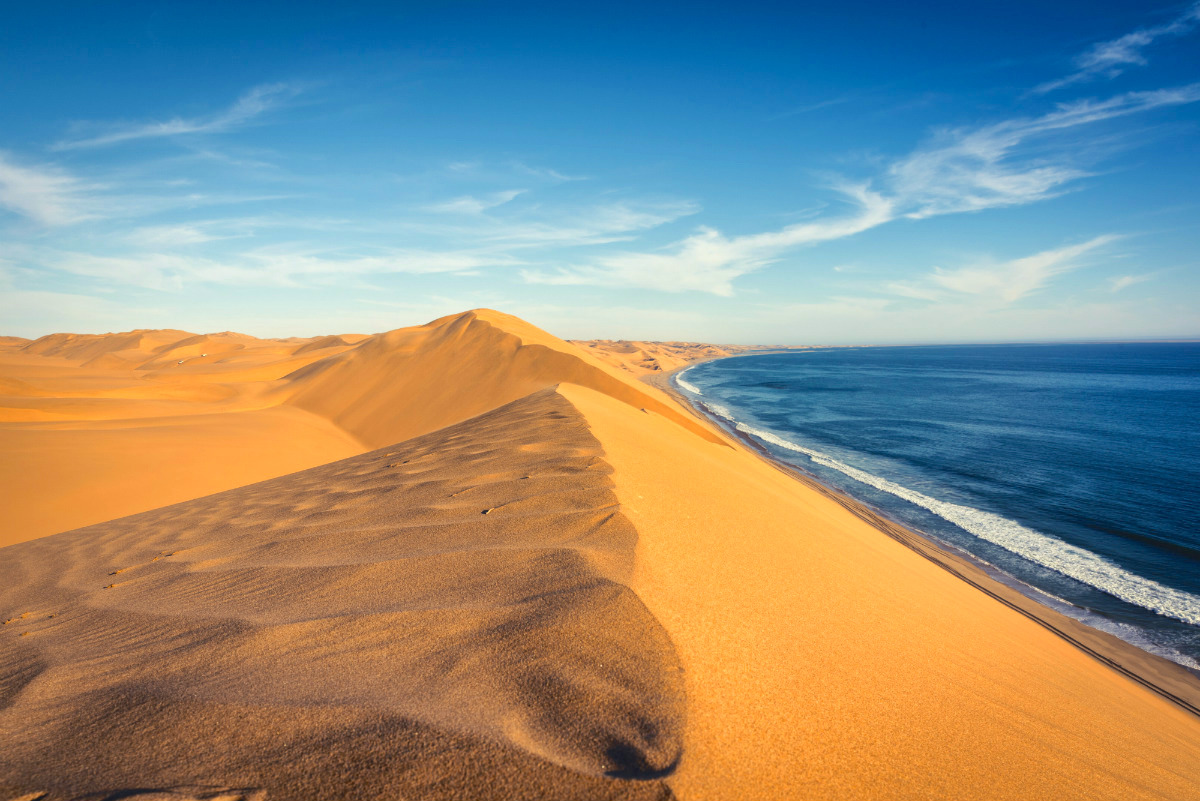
(414, 380)
(93, 427)
(461, 593)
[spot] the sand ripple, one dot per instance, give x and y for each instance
(446, 618)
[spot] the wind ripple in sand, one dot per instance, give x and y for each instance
(355, 630)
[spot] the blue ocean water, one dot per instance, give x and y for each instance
(1073, 471)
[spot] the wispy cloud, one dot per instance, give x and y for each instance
(538, 227)
(249, 106)
(181, 235)
(475, 204)
(1001, 283)
(708, 261)
(969, 169)
(546, 172)
(1110, 59)
(960, 170)
(596, 224)
(1126, 281)
(808, 108)
(171, 257)
(282, 266)
(44, 194)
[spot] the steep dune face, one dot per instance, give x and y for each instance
(825, 660)
(444, 618)
(415, 380)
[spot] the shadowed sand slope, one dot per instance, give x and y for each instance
(444, 618)
(414, 380)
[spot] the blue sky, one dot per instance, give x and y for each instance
(776, 173)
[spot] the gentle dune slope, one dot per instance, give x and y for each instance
(446, 618)
(825, 660)
(93, 428)
(56, 477)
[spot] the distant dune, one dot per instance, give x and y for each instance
(511, 569)
(654, 357)
(97, 427)
(94, 427)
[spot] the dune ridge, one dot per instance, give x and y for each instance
(413, 380)
(201, 413)
(461, 592)
(582, 591)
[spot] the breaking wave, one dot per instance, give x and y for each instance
(1047, 551)
(690, 387)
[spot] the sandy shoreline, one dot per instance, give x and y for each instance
(1158, 674)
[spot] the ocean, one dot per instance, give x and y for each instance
(1071, 472)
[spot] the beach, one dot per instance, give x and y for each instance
(471, 560)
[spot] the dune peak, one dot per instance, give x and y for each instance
(410, 381)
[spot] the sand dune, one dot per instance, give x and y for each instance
(639, 357)
(462, 594)
(217, 411)
(657, 359)
(321, 343)
(415, 380)
(97, 427)
(825, 660)
(550, 581)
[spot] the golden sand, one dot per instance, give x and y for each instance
(546, 579)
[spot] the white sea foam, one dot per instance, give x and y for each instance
(719, 410)
(1077, 563)
(690, 387)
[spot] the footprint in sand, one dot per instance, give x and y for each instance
(25, 616)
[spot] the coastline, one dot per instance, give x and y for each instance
(539, 577)
(1165, 678)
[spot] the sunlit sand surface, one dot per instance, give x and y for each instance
(511, 569)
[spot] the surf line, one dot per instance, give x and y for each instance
(690, 387)
(1042, 549)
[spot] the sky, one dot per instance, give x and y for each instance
(802, 173)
